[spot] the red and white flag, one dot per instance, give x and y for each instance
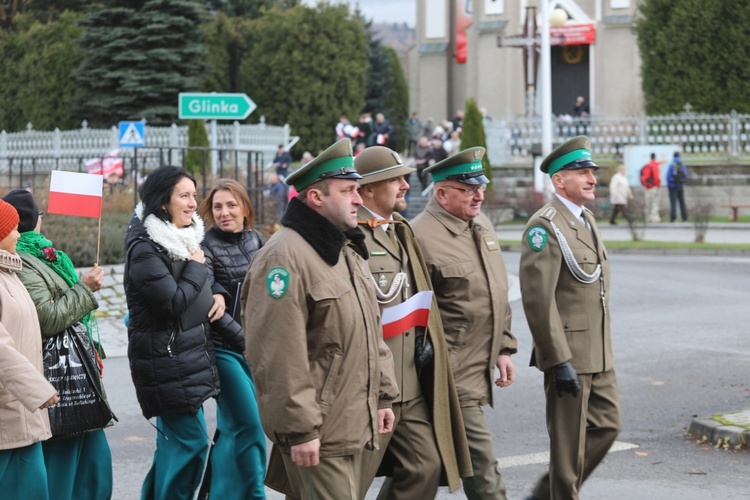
(71, 193)
(106, 165)
(413, 312)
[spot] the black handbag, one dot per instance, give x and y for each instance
(71, 367)
(197, 312)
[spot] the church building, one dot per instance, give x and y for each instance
(488, 50)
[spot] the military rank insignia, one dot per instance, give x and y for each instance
(277, 282)
(537, 238)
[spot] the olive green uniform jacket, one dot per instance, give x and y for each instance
(566, 317)
(469, 277)
(316, 350)
(436, 381)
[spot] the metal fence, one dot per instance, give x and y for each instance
(245, 166)
(68, 149)
(700, 136)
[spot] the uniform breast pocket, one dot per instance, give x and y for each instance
(330, 290)
(324, 296)
(383, 271)
(587, 261)
(456, 277)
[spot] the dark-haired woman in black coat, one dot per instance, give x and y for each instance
(172, 368)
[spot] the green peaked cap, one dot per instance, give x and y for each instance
(336, 162)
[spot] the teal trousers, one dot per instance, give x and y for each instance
(238, 458)
(22, 473)
(181, 449)
(79, 467)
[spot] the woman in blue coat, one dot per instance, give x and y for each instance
(238, 459)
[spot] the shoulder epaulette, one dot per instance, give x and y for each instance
(548, 213)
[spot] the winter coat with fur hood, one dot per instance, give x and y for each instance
(173, 370)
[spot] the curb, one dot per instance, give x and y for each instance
(723, 429)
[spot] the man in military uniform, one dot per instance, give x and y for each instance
(471, 284)
(565, 289)
(428, 432)
(324, 376)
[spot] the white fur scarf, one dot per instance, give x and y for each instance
(180, 243)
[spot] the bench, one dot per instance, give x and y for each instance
(735, 209)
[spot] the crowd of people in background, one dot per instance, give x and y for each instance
(425, 141)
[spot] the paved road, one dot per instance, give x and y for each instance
(681, 349)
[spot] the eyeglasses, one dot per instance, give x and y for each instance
(40, 214)
(470, 191)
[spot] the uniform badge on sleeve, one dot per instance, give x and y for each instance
(277, 282)
(537, 238)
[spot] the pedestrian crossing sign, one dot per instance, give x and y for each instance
(132, 134)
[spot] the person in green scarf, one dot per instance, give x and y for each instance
(79, 466)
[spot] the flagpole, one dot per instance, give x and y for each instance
(98, 241)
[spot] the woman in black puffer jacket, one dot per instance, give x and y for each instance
(173, 369)
(238, 459)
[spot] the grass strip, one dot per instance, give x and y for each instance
(658, 245)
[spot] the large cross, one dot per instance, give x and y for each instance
(529, 41)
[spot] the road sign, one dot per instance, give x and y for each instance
(215, 106)
(132, 134)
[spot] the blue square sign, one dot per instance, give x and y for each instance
(132, 135)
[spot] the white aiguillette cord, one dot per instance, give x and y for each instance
(570, 260)
(399, 281)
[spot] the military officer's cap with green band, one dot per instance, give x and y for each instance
(570, 155)
(336, 162)
(464, 166)
(378, 163)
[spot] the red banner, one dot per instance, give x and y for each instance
(106, 165)
(573, 34)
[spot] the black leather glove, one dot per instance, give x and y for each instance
(423, 351)
(565, 378)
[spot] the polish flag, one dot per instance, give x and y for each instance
(71, 193)
(413, 312)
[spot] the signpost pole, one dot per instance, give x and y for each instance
(214, 146)
(135, 176)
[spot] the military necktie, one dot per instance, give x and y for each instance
(391, 231)
(588, 224)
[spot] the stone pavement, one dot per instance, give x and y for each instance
(725, 429)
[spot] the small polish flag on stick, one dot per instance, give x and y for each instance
(72, 193)
(413, 312)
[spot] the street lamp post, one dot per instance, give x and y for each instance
(556, 18)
